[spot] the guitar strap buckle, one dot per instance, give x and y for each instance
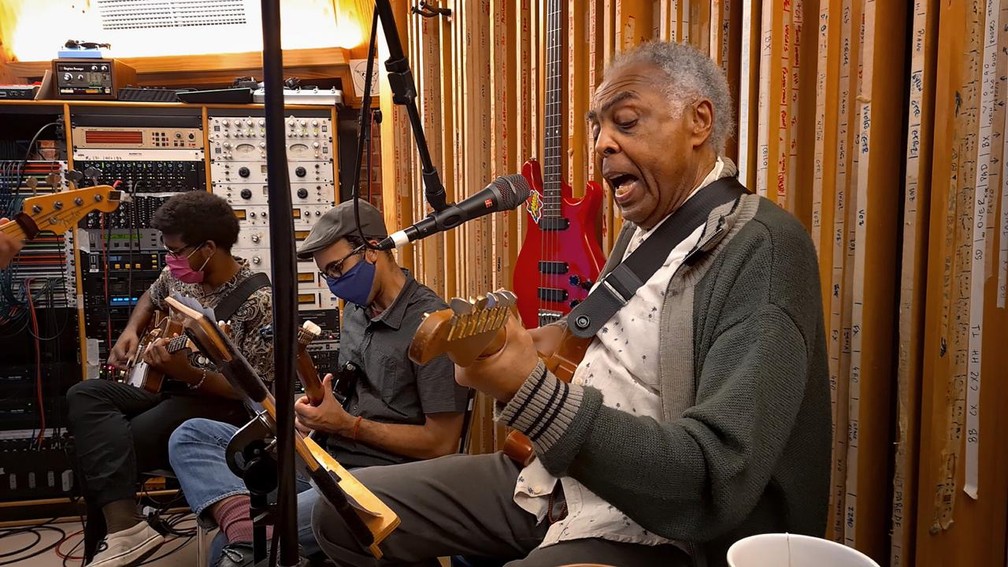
(619, 285)
(612, 293)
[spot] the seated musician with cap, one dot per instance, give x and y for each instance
(397, 411)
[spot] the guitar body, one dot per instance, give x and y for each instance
(376, 515)
(142, 375)
(562, 363)
(560, 257)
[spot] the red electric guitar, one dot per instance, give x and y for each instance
(561, 257)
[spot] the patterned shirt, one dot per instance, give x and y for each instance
(622, 363)
(253, 315)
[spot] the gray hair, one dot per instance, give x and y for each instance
(689, 75)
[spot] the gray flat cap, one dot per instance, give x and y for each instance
(339, 222)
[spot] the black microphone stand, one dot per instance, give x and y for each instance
(284, 265)
(281, 230)
(404, 92)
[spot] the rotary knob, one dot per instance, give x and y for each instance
(302, 193)
(300, 171)
(255, 238)
(244, 172)
(246, 193)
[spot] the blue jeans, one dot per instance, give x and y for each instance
(196, 450)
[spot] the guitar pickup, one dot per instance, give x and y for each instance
(546, 267)
(553, 224)
(553, 294)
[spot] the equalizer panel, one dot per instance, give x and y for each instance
(237, 147)
(153, 155)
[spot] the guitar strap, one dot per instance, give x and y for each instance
(233, 300)
(622, 282)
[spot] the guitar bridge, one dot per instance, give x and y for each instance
(546, 317)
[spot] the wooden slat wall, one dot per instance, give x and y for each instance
(841, 119)
(916, 203)
(952, 526)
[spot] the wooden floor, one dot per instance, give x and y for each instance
(64, 538)
(176, 552)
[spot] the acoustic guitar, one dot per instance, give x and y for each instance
(137, 372)
(60, 212)
(368, 518)
(470, 330)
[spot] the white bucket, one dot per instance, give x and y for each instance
(792, 550)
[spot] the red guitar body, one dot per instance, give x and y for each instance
(561, 257)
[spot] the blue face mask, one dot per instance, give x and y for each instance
(355, 285)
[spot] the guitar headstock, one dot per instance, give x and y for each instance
(465, 331)
(60, 212)
(306, 333)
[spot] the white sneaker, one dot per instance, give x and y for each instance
(127, 547)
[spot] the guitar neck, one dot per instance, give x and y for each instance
(306, 371)
(21, 227)
(178, 343)
(309, 377)
(552, 143)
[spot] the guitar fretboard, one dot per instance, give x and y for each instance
(552, 165)
(176, 344)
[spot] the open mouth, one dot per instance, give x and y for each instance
(622, 184)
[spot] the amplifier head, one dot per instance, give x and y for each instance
(91, 79)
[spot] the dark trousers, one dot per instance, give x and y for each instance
(462, 505)
(120, 431)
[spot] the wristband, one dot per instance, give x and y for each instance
(197, 385)
(356, 427)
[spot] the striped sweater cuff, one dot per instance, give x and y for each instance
(543, 408)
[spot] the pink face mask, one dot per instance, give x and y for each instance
(180, 268)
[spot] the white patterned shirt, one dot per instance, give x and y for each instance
(626, 373)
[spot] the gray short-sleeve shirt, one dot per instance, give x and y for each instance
(395, 389)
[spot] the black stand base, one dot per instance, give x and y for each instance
(249, 457)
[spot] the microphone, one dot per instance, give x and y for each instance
(504, 193)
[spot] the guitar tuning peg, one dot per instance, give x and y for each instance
(480, 302)
(32, 183)
(53, 179)
(460, 306)
(73, 178)
(507, 296)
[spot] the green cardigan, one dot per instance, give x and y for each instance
(744, 443)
